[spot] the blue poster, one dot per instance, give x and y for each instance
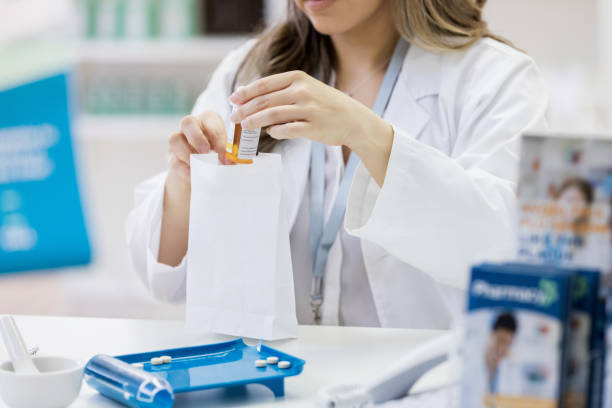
(41, 217)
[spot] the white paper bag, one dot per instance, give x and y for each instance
(239, 273)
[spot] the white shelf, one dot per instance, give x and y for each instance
(126, 127)
(201, 50)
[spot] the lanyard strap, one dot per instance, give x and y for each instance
(322, 236)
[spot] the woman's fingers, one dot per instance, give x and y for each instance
(179, 167)
(179, 147)
(191, 128)
(214, 129)
(283, 97)
(197, 135)
(291, 130)
(266, 85)
(275, 116)
(205, 132)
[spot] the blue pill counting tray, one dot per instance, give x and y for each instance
(227, 364)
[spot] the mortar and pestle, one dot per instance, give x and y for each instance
(35, 382)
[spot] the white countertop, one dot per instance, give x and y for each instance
(334, 355)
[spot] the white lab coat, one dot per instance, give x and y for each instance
(449, 193)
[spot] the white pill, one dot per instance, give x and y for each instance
(138, 365)
(272, 360)
(284, 364)
(260, 363)
(157, 361)
(166, 359)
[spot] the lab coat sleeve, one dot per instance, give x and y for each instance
(143, 227)
(143, 224)
(441, 213)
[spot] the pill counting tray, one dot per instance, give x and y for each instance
(227, 364)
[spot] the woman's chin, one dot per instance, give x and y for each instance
(327, 26)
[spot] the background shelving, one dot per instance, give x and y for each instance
(154, 57)
(142, 63)
(117, 128)
(204, 50)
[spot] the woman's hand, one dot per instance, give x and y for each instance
(198, 134)
(295, 105)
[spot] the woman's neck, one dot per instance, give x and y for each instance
(367, 46)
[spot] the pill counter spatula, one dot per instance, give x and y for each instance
(17, 352)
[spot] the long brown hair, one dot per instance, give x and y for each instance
(294, 44)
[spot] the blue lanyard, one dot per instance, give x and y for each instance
(322, 236)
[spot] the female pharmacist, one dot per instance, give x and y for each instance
(433, 105)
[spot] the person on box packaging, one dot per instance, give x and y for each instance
(498, 346)
(435, 187)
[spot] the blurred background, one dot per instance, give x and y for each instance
(139, 66)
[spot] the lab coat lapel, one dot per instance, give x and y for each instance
(419, 78)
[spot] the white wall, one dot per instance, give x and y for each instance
(605, 57)
(568, 39)
(552, 31)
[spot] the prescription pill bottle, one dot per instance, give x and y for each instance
(242, 144)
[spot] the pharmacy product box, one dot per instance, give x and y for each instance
(565, 200)
(42, 219)
(598, 355)
(607, 383)
(515, 346)
(565, 219)
(586, 338)
(585, 344)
